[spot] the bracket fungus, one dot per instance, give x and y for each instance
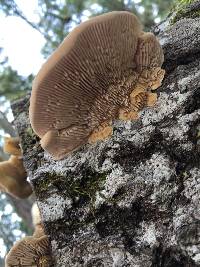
(104, 70)
(30, 251)
(13, 176)
(11, 146)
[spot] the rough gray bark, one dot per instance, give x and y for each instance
(133, 200)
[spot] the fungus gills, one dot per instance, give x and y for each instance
(104, 70)
(31, 250)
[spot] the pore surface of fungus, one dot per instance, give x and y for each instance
(103, 70)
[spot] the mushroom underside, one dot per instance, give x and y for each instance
(89, 81)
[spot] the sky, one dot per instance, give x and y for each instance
(21, 43)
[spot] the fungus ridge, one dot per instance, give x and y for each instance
(74, 92)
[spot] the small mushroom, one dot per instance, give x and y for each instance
(91, 79)
(30, 251)
(12, 172)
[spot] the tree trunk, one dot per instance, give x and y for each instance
(134, 199)
(6, 125)
(23, 209)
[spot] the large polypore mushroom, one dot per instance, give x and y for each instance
(103, 70)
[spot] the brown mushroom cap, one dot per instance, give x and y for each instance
(11, 146)
(86, 80)
(29, 252)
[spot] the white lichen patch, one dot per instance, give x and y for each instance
(196, 258)
(140, 137)
(186, 81)
(180, 131)
(100, 198)
(118, 256)
(166, 106)
(176, 132)
(53, 207)
(149, 235)
(114, 180)
(180, 217)
(107, 164)
(155, 170)
(192, 185)
(193, 251)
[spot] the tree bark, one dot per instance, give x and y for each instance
(134, 199)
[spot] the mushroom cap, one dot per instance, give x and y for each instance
(81, 69)
(11, 146)
(88, 78)
(29, 252)
(149, 52)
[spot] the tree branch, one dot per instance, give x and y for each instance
(6, 125)
(64, 19)
(23, 209)
(3, 156)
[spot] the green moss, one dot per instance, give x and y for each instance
(185, 2)
(29, 132)
(91, 185)
(84, 188)
(181, 10)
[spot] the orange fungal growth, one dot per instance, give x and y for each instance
(104, 70)
(102, 132)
